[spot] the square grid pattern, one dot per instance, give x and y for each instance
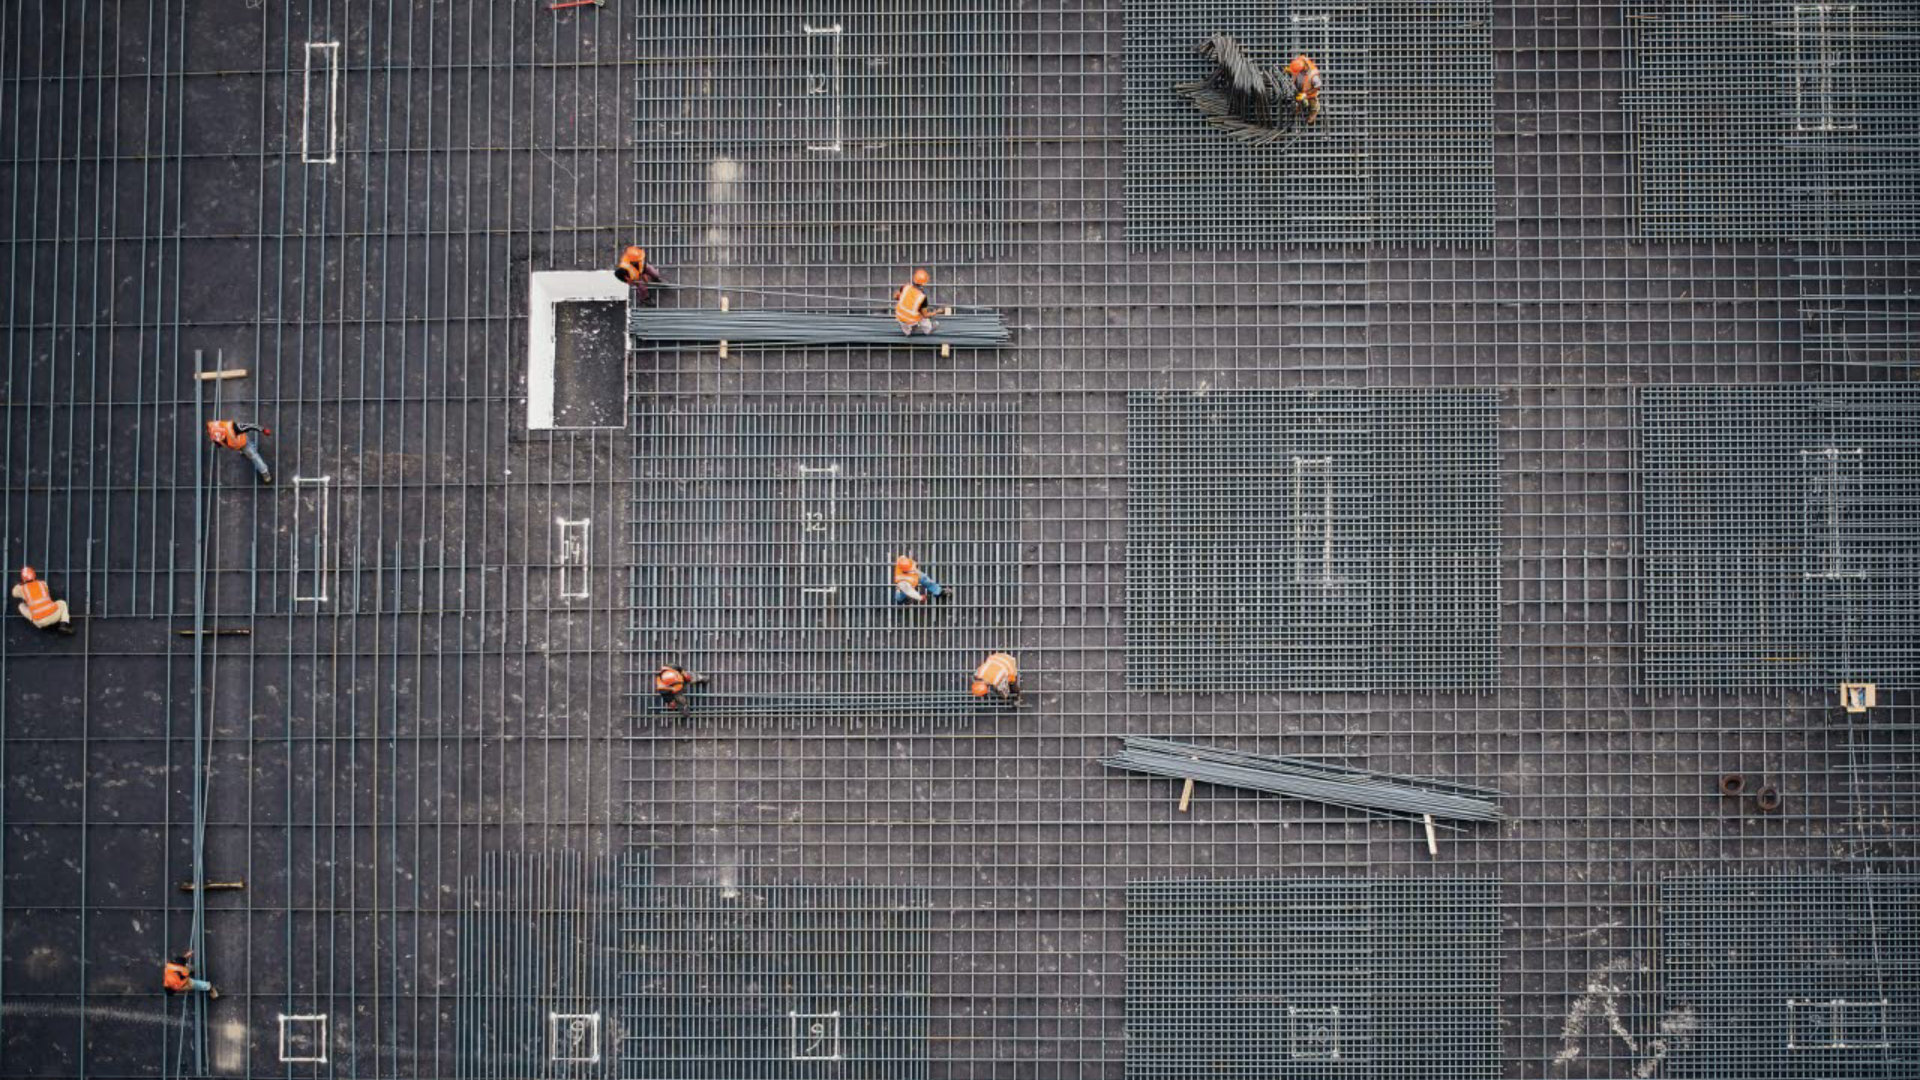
(1333, 980)
(1334, 539)
(1783, 535)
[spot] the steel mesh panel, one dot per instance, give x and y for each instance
(767, 537)
(1792, 977)
(1322, 979)
(781, 981)
(851, 132)
(1781, 526)
(1789, 120)
(1336, 539)
(1366, 171)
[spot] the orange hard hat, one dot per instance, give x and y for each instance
(26, 573)
(979, 688)
(921, 277)
(902, 564)
(1299, 64)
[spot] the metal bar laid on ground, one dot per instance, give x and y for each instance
(979, 328)
(1336, 785)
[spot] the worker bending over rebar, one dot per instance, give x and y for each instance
(671, 682)
(38, 605)
(910, 305)
(1000, 674)
(232, 434)
(1304, 76)
(1247, 101)
(635, 270)
(178, 978)
(912, 585)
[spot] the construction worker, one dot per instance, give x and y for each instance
(1000, 674)
(635, 270)
(910, 305)
(672, 682)
(1306, 85)
(178, 977)
(39, 606)
(232, 434)
(912, 585)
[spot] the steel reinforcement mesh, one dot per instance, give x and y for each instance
(1782, 535)
(1322, 539)
(1791, 976)
(1313, 979)
(1775, 119)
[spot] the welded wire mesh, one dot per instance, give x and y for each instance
(1776, 119)
(1795, 976)
(1403, 148)
(1781, 535)
(1336, 539)
(1306, 978)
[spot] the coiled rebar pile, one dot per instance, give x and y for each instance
(1336, 785)
(759, 326)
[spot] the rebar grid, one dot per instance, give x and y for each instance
(366, 758)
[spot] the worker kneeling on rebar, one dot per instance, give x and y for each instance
(911, 305)
(634, 269)
(671, 682)
(1000, 674)
(912, 585)
(38, 606)
(177, 977)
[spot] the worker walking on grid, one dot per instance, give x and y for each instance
(910, 305)
(1000, 674)
(1306, 85)
(232, 434)
(635, 270)
(672, 682)
(178, 978)
(38, 605)
(912, 585)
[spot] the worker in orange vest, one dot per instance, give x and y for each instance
(1306, 85)
(178, 978)
(635, 270)
(672, 681)
(1000, 674)
(912, 585)
(232, 434)
(39, 606)
(910, 305)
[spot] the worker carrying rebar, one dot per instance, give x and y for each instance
(39, 606)
(634, 269)
(910, 305)
(232, 434)
(1000, 674)
(912, 585)
(178, 978)
(1305, 75)
(672, 682)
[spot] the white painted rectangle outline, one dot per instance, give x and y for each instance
(321, 565)
(825, 87)
(320, 117)
(1823, 1024)
(817, 516)
(574, 557)
(590, 1022)
(1818, 69)
(799, 1048)
(546, 289)
(1307, 472)
(1826, 477)
(320, 1040)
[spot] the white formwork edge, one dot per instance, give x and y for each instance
(546, 289)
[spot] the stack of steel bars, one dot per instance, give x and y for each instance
(981, 328)
(1336, 785)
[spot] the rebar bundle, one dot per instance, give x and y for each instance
(981, 328)
(1240, 97)
(1336, 785)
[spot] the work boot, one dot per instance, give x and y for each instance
(65, 628)
(213, 993)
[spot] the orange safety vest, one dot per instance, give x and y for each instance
(222, 432)
(1309, 81)
(177, 978)
(669, 680)
(910, 306)
(998, 671)
(39, 599)
(910, 579)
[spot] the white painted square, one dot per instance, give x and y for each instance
(303, 1039)
(813, 1036)
(573, 1037)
